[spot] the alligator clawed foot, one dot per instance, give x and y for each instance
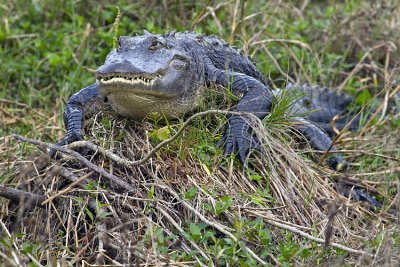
(238, 139)
(357, 193)
(361, 195)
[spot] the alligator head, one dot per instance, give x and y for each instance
(147, 74)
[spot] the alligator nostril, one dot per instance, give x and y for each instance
(105, 99)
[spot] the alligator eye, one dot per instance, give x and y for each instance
(155, 45)
(158, 44)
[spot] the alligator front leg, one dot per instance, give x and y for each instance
(74, 113)
(320, 141)
(257, 99)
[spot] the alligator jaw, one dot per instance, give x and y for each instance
(133, 80)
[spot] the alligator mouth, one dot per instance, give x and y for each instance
(111, 79)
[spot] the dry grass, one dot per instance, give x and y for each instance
(99, 220)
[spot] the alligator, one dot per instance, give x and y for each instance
(167, 74)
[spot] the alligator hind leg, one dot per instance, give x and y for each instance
(319, 140)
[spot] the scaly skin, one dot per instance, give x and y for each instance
(320, 105)
(313, 113)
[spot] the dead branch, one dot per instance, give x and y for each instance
(80, 158)
(21, 196)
